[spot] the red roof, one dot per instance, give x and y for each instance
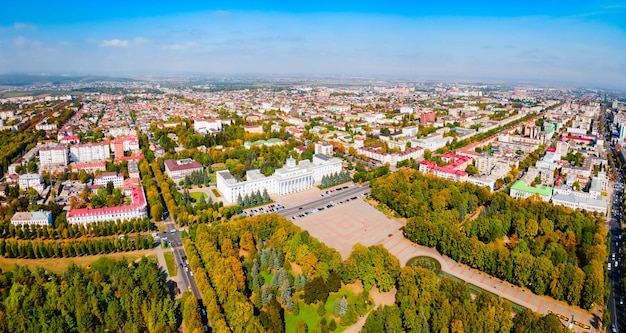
(576, 138)
(446, 169)
(128, 158)
(171, 165)
(70, 138)
(139, 202)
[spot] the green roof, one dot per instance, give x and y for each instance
(274, 140)
(521, 185)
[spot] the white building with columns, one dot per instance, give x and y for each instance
(291, 178)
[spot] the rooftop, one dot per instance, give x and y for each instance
(521, 185)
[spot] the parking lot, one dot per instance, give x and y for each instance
(349, 223)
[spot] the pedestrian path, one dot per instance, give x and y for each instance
(404, 249)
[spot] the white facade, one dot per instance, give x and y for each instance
(32, 218)
(179, 169)
(204, 126)
(291, 178)
(415, 153)
(53, 156)
(30, 180)
(597, 204)
(90, 152)
(113, 177)
(137, 209)
(324, 148)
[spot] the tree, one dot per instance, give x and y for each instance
(285, 295)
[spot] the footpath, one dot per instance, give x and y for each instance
(405, 250)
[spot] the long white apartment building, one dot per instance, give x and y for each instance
(291, 178)
(89, 152)
(53, 156)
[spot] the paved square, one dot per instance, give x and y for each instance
(342, 226)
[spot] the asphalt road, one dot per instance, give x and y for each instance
(185, 279)
(335, 197)
(614, 225)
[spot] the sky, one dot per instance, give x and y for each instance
(572, 42)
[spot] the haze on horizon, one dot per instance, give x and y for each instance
(583, 42)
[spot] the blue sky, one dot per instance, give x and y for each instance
(578, 42)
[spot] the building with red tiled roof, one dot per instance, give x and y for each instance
(137, 209)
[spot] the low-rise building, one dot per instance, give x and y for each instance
(40, 217)
(137, 209)
(521, 190)
(103, 179)
(31, 180)
(179, 169)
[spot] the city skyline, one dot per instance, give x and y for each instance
(580, 43)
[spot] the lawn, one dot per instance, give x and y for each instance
(267, 277)
(171, 264)
(308, 313)
(60, 265)
(197, 195)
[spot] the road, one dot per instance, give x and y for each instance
(614, 275)
(184, 279)
(335, 197)
(614, 226)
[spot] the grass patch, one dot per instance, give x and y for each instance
(218, 166)
(196, 196)
(308, 313)
(60, 265)
(172, 270)
(426, 262)
(267, 277)
(216, 193)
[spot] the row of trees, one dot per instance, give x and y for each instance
(196, 178)
(254, 199)
(551, 250)
(116, 296)
(364, 176)
(427, 303)
(190, 311)
(96, 229)
(335, 179)
(152, 191)
(10, 248)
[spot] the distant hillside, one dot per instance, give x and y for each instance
(17, 80)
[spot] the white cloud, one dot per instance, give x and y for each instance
(140, 40)
(21, 25)
(222, 13)
(20, 41)
(25, 42)
(181, 46)
(114, 43)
